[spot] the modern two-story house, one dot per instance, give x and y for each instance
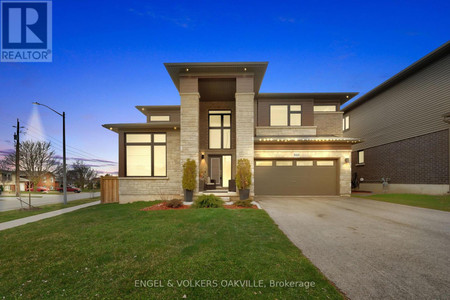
(406, 139)
(294, 141)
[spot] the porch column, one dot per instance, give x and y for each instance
(245, 124)
(189, 121)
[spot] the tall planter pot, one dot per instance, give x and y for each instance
(188, 195)
(244, 194)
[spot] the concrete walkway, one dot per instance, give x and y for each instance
(23, 221)
(370, 249)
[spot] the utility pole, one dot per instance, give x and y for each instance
(17, 138)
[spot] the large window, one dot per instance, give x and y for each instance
(361, 157)
(219, 129)
(145, 154)
(285, 115)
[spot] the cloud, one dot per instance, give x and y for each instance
(286, 20)
(182, 21)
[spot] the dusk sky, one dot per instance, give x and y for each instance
(108, 57)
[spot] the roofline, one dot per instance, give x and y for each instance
(415, 67)
(342, 96)
(154, 125)
(257, 69)
(159, 107)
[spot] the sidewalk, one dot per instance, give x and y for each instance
(23, 221)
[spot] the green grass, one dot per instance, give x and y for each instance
(426, 201)
(100, 251)
(17, 214)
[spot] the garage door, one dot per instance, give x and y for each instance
(296, 177)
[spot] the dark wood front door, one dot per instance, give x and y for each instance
(215, 169)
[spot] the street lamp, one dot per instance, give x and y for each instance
(63, 115)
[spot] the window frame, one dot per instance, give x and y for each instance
(151, 144)
(346, 123)
(221, 113)
(289, 113)
(363, 162)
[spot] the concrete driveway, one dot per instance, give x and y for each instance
(370, 249)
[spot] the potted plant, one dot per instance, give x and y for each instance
(243, 178)
(189, 179)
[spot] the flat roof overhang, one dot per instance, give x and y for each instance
(342, 96)
(131, 126)
(305, 140)
(217, 69)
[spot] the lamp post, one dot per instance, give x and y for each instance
(63, 115)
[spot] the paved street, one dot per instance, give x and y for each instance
(10, 203)
(370, 249)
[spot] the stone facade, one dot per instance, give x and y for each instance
(133, 189)
(245, 129)
(328, 123)
(189, 128)
(339, 155)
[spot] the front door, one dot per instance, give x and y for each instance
(215, 169)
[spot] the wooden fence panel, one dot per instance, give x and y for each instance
(109, 189)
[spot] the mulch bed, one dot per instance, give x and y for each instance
(163, 206)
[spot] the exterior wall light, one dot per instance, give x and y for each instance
(203, 155)
(347, 160)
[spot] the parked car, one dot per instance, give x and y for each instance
(70, 189)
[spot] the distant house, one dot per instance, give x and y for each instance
(8, 181)
(294, 141)
(401, 122)
(48, 180)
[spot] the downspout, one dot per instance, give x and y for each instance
(447, 120)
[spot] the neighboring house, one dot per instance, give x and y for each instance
(294, 141)
(48, 180)
(8, 181)
(401, 122)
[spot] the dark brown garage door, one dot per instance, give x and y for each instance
(296, 177)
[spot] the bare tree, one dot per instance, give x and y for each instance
(81, 174)
(36, 159)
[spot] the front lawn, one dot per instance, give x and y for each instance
(114, 251)
(17, 214)
(426, 201)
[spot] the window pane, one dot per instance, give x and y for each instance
(159, 138)
(347, 122)
(214, 138)
(215, 121)
(304, 163)
(220, 111)
(283, 163)
(360, 157)
(296, 108)
(226, 170)
(160, 161)
(226, 139)
(139, 161)
(160, 118)
(324, 107)
(138, 138)
(263, 163)
(278, 115)
(226, 121)
(325, 163)
(296, 119)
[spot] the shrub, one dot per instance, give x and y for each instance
(189, 175)
(244, 203)
(174, 203)
(208, 201)
(243, 174)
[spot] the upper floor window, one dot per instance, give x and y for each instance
(361, 157)
(159, 118)
(321, 108)
(346, 123)
(285, 115)
(145, 154)
(219, 122)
